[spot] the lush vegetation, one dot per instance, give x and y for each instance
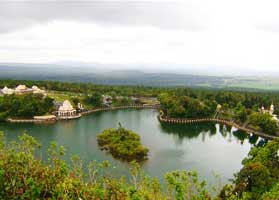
(122, 143)
(264, 122)
(239, 106)
(28, 105)
(250, 100)
(92, 100)
(231, 97)
(23, 175)
(182, 106)
(259, 177)
(185, 106)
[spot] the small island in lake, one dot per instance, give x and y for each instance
(122, 143)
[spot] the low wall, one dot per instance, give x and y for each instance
(30, 120)
(68, 117)
(162, 118)
(121, 107)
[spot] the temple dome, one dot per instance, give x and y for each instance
(34, 87)
(21, 87)
(5, 88)
(66, 106)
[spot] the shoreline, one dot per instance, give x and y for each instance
(53, 120)
(221, 121)
(161, 119)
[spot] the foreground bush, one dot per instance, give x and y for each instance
(24, 106)
(24, 176)
(259, 177)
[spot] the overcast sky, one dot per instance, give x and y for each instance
(235, 34)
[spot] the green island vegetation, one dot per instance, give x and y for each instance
(122, 143)
(24, 175)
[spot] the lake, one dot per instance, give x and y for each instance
(207, 148)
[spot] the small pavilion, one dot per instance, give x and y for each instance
(66, 110)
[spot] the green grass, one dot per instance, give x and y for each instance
(260, 83)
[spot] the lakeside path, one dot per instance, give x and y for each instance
(162, 118)
(121, 107)
(221, 121)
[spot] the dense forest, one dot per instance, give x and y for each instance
(231, 97)
(234, 109)
(25, 176)
(24, 106)
(240, 106)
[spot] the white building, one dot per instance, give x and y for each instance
(37, 90)
(80, 106)
(66, 110)
(7, 90)
(270, 111)
(107, 100)
(21, 89)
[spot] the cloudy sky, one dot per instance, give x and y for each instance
(235, 34)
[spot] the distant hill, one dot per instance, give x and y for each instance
(102, 75)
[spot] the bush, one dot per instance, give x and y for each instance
(27, 105)
(266, 123)
(23, 176)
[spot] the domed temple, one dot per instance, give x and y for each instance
(66, 111)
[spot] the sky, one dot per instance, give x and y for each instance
(237, 35)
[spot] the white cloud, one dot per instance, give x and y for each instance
(218, 32)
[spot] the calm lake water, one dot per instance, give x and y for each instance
(207, 148)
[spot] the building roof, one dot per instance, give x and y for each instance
(35, 87)
(21, 87)
(66, 106)
(7, 90)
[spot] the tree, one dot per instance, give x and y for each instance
(265, 122)
(253, 179)
(240, 112)
(258, 179)
(93, 99)
(25, 105)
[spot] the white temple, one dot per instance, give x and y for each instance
(7, 90)
(66, 110)
(80, 106)
(37, 90)
(270, 111)
(22, 89)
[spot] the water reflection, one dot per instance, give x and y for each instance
(189, 131)
(209, 129)
(172, 146)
